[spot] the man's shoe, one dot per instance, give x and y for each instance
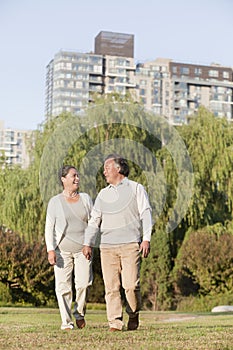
(81, 323)
(112, 329)
(133, 323)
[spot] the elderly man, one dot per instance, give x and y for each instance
(122, 212)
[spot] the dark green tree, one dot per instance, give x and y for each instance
(156, 284)
(24, 269)
(205, 262)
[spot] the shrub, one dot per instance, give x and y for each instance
(24, 270)
(205, 263)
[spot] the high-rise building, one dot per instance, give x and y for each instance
(73, 77)
(70, 80)
(13, 146)
(172, 89)
(176, 90)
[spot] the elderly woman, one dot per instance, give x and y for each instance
(66, 220)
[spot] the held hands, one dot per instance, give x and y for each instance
(52, 257)
(145, 248)
(87, 252)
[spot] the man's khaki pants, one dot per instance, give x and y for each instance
(121, 266)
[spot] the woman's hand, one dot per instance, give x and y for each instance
(87, 252)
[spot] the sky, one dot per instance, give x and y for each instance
(32, 32)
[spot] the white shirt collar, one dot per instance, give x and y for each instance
(125, 180)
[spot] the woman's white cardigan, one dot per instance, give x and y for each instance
(56, 223)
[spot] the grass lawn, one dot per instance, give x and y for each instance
(39, 328)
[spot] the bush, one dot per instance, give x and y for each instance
(203, 303)
(205, 263)
(24, 270)
(5, 296)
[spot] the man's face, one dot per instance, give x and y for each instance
(111, 171)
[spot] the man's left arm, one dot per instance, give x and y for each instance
(144, 209)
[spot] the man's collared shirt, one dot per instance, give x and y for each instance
(122, 212)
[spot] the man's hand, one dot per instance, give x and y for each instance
(87, 252)
(145, 248)
(52, 257)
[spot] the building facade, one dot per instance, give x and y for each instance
(73, 77)
(174, 90)
(13, 146)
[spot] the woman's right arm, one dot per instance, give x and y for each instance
(49, 226)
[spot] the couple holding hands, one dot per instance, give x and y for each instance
(122, 215)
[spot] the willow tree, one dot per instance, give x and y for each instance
(209, 141)
(87, 139)
(21, 204)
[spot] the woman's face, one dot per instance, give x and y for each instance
(71, 180)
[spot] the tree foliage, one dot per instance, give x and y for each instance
(209, 141)
(24, 269)
(158, 157)
(205, 260)
(156, 285)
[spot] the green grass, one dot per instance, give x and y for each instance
(39, 328)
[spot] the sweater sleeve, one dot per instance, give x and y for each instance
(49, 226)
(145, 214)
(94, 223)
(147, 225)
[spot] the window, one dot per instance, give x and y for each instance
(155, 100)
(213, 73)
(174, 69)
(79, 84)
(197, 71)
(183, 103)
(155, 68)
(120, 80)
(142, 82)
(184, 70)
(111, 63)
(97, 69)
(120, 89)
(225, 75)
(221, 90)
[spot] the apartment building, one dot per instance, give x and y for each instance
(13, 146)
(176, 90)
(172, 89)
(73, 77)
